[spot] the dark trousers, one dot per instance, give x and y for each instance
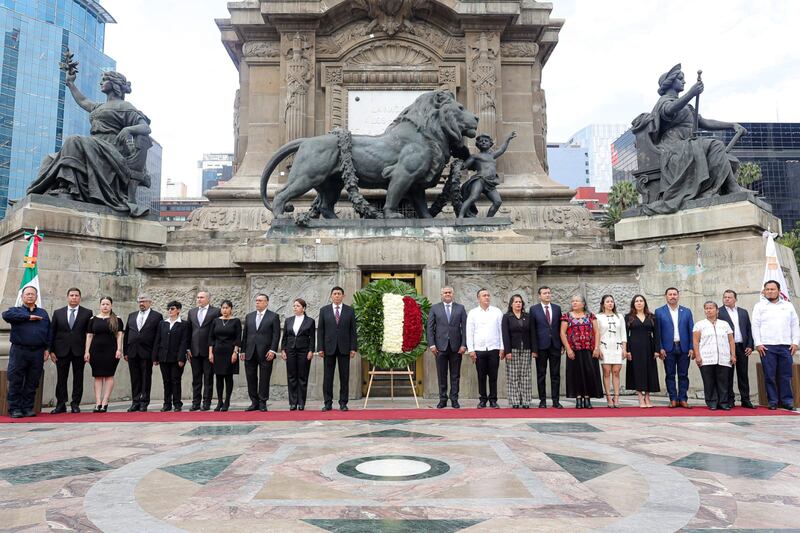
(24, 370)
(171, 375)
(677, 364)
(63, 364)
(258, 372)
(741, 377)
(448, 360)
(777, 365)
(551, 356)
(297, 368)
(487, 365)
(224, 382)
(715, 384)
(202, 380)
(141, 379)
(330, 361)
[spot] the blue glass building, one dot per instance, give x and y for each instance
(36, 109)
(774, 146)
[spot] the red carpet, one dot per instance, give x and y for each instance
(390, 414)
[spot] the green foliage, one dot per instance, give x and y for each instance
(368, 306)
(623, 195)
(791, 239)
(612, 215)
(748, 174)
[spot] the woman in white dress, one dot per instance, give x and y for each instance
(611, 340)
(715, 354)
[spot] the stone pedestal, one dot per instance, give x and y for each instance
(84, 246)
(703, 251)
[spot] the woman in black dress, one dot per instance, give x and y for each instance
(224, 339)
(643, 343)
(297, 349)
(103, 351)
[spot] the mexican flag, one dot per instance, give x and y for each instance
(30, 276)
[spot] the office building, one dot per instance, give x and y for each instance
(215, 169)
(569, 164)
(36, 109)
(596, 139)
(175, 211)
(774, 146)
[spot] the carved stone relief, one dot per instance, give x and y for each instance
(500, 286)
(186, 296)
(261, 49)
(518, 49)
(622, 292)
(299, 73)
(483, 75)
(390, 16)
(386, 53)
(447, 77)
(336, 102)
(230, 219)
(283, 289)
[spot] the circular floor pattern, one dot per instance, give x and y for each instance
(393, 468)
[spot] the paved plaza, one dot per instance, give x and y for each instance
(604, 473)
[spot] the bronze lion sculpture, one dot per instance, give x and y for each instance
(406, 159)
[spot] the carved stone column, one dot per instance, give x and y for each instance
(297, 58)
(483, 78)
(335, 96)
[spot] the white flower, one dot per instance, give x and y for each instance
(393, 313)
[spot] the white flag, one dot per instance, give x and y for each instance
(772, 270)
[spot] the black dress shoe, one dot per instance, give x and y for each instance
(206, 407)
(262, 408)
(713, 407)
(481, 405)
(587, 403)
(515, 406)
(194, 408)
(725, 407)
(27, 413)
(218, 407)
(166, 408)
(293, 408)
(59, 409)
(526, 406)
(75, 409)
(579, 403)
(773, 407)
(441, 405)
(301, 407)
(142, 407)
(178, 408)
(789, 407)
(557, 405)
(133, 408)
(543, 404)
(251, 407)
(344, 408)
(455, 404)
(748, 405)
(493, 405)
(326, 407)
(225, 407)
(16, 414)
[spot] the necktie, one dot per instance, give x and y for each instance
(140, 321)
(259, 316)
(71, 319)
(336, 314)
(547, 313)
(201, 315)
(447, 311)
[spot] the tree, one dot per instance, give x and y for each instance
(748, 174)
(623, 195)
(791, 239)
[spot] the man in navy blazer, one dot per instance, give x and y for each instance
(447, 338)
(739, 321)
(675, 323)
(546, 345)
(337, 342)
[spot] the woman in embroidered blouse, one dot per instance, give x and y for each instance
(610, 346)
(714, 353)
(583, 370)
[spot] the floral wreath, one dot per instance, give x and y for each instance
(390, 317)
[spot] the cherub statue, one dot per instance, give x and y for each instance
(485, 179)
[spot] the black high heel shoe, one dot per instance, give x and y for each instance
(218, 407)
(587, 403)
(225, 406)
(98, 409)
(104, 408)
(578, 403)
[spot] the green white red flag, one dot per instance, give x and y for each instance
(30, 274)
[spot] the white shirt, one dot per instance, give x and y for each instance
(259, 318)
(142, 318)
(775, 324)
(298, 321)
(733, 312)
(70, 310)
(675, 332)
(484, 330)
(715, 348)
(172, 322)
(201, 314)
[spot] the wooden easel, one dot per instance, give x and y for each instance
(392, 374)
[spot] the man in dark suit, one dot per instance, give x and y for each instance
(261, 337)
(675, 323)
(546, 345)
(739, 321)
(67, 347)
(200, 319)
(337, 342)
(447, 335)
(140, 333)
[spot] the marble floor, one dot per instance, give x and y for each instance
(643, 474)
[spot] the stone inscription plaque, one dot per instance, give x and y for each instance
(369, 112)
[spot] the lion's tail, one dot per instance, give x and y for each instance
(283, 152)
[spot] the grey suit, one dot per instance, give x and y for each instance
(448, 337)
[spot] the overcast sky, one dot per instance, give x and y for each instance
(604, 70)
